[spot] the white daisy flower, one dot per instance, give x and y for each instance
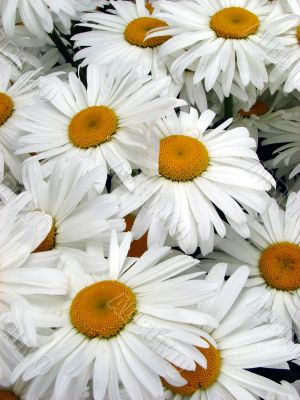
(75, 219)
(279, 2)
(10, 357)
(296, 385)
(16, 51)
(19, 391)
(267, 119)
(273, 254)
(241, 342)
(286, 134)
(38, 16)
(89, 5)
(100, 124)
(63, 20)
(11, 183)
(292, 6)
(287, 70)
(224, 37)
(195, 94)
(196, 171)
(24, 276)
(52, 62)
(120, 37)
(23, 52)
(13, 97)
(128, 327)
(293, 391)
(292, 79)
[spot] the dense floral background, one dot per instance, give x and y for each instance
(149, 199)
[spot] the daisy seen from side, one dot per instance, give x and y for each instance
(75, 217)
(25, 275)
(286, 135)
(268, 118)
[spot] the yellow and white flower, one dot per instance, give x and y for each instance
(75, 218)
(242, 341)
(125, 326)
(198, 169)
(119, 37)
(101, 125)
(286, 74)
(25, 276)
(13, 98)
(223, 37)
(268, 118)
(273, 255)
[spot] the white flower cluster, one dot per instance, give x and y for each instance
(149, 200)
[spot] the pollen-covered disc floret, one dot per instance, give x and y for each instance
(137, 30)
(182, 158)
(92, 126)
(6, 107)
(234, 23)
(200, 378)
(49, 242)
(196, 169)
(7, 395)
(103, 309)
(259, 108)
(279, 265)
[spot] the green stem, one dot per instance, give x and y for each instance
(228, 106)
(54, 36)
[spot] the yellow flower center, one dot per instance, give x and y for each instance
(92, 126)
(182, 158)
(279, 265)
(103, 309)
(137, 30)
(138, 247)
(298, 34)
(201, 378)
(259, 108)
(49, 242)
(6, 108)
(234, 23)
(7, 395)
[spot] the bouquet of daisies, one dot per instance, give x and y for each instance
(149, 200)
